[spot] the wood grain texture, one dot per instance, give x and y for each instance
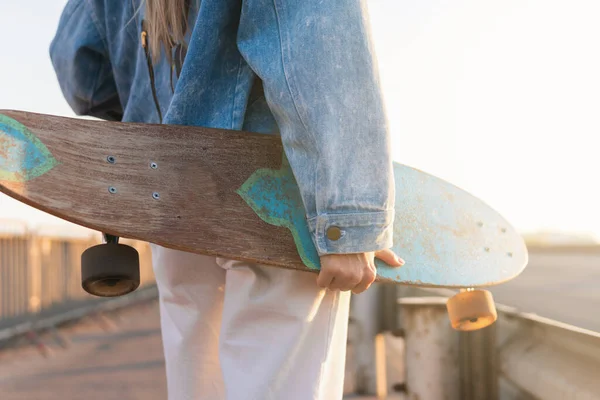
(198, 171)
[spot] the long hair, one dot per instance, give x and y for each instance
(167, 23)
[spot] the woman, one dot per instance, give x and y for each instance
(301, 69)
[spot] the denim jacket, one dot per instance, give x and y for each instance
(318, 87)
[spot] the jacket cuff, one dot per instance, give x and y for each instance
(352, 233)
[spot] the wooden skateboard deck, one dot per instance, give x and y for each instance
(232, 194)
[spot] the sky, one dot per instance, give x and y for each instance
(500, 98)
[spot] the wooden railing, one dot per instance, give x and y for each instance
(41, 274)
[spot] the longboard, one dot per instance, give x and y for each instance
(232, 194)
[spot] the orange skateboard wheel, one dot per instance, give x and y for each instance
(471, 310)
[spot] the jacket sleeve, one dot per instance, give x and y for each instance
(80, 59)
(321, 82)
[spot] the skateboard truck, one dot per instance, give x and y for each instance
(110, 269)
(471, 309)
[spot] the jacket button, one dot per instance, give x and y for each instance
(334, 233)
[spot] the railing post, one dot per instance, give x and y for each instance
(34, 274)
(432, 361)
(478, 368)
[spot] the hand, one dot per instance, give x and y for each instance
(354, 272)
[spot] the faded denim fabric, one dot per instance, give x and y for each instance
(316, 64)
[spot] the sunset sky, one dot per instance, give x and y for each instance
(499, 98)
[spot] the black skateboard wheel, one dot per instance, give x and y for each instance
(110, 270)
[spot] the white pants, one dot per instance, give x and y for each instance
(240, 331)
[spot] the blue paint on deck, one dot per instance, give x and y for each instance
(446, 236)
(449, 237)
(275, 197)
(22, 155)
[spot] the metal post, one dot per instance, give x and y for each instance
(389, 365)
(365, 321)
(432, 362)
(34, 272)
(479, 377)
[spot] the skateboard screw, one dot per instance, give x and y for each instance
(155, 195)
(112, 189)
(153, 165)
(480, 224)
(111, 159)
(487, 249)
(509, 254)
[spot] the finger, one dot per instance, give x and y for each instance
(341, 283)
(389, 257)
(324, 279)
(365, 283)
(346, 281)
(334, 285)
